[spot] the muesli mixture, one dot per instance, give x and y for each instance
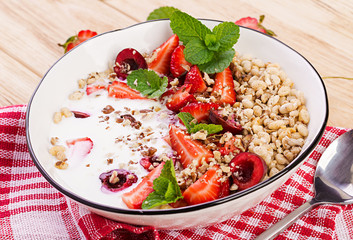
(210, 134)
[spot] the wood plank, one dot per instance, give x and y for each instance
(16, 82)
(35, 28)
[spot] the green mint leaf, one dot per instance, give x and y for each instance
(187, 27)
(166, 188)
(186, 118)
(211, 42)
(219, 62)
(162, 12)
(147, 82)
(196, 52)
(210, 128)
(227, 34)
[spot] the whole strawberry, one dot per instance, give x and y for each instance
(75, 40)
(255, 24)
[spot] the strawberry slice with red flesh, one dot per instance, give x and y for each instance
(80, 147)
(178, 64)
(180, 98)
(83, 35)
(200, 111)
(188, 149)
(92, 88)
(229, 147)
(194, 77)
(247, 170)
(136, 196)
(121, 90)
(224, 87)
(75, 40)
(161, 56)
(250, 22)
(206, 188)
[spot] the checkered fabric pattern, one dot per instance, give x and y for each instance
(30, 208)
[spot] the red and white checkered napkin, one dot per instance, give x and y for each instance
(30, 208)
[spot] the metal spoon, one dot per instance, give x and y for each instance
(333, 183)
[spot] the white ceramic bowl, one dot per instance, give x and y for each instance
(97, 52)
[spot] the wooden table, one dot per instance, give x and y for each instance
(320, 30)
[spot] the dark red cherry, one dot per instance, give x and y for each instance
(117, 179)
(228, 123)
(127, 60)
(78, 114)
(247, 169)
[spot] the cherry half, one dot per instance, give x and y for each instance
(122, 180)
(247, 169)
(127, 60)
(228, 123)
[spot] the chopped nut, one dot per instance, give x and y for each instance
(61, 165)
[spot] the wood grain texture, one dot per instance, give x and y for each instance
(320, 30)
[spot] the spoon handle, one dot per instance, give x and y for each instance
(288, 220)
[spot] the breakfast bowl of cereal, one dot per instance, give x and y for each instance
(159, 125)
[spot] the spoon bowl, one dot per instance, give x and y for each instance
(333, 182)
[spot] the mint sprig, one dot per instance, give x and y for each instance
(166, 188)
(212, 50)
(193, 126)
(162, 12)
(147, 82)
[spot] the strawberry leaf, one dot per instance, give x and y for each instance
(166, 188)
(162, 12)
(147, 82)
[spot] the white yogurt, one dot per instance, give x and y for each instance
(109, 142)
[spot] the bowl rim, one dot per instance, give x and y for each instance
(186, 209)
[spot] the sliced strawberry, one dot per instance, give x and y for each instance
(161, 56)
(145, 163)
(255, 24)
(136, 196)
(79, 148)
(225, 189)
(224, 87)
(180, 98)
(75, 40)
(200, 111)
(121, 90)
(194, 77)
(247, 169)
(205, 189)
(250, 22)
(83, 35)
(71, 45)
(189, 150)
(229, 147)
(167, 139)
(92, 88)
(178, 64)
